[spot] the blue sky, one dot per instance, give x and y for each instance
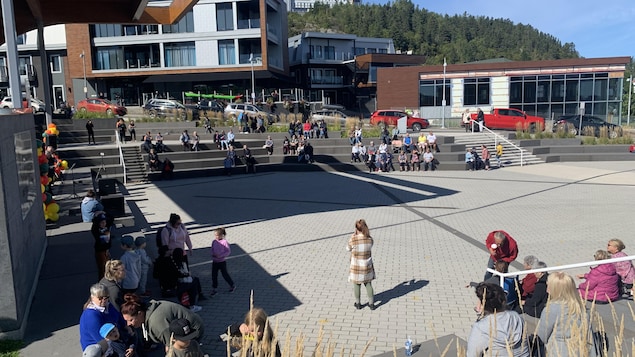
(597, 28)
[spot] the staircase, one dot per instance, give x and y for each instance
(135, 166)
(511, 154)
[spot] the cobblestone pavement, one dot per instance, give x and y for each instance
(289, 230)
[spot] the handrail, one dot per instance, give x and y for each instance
(502, 138)
(560, 267)
(122, 162)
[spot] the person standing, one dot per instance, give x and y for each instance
(132, 131)
(175, 235)
(480, 118)
(132, 263)
(185, 141)
(466, 120)
(121, 126)
(485, 155)
(499, 154)
(361, 269)
(220, 251)
(90, 128)
(101, 235)
(146, 262)
(501, 246)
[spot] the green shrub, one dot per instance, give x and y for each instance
(10, 348)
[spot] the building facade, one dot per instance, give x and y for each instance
(213, 48)
(545, 88)
(30, 65)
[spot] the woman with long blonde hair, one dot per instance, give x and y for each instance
(361, 270)
(564, 326)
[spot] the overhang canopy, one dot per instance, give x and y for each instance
(28, 13)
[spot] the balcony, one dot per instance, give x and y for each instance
(248, 24)
(324, 81)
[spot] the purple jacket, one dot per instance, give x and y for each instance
(624, 269)
(601, 282)
(220, 250)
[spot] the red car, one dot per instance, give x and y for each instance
(390, 117)
(97, 105)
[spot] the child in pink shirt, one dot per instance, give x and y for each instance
(220, 251)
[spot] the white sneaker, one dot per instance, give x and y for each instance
(195, 308)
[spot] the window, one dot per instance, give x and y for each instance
(224, 17)
(109, 58)
(21, 40)
(185, 25)
(516, 92)
(180, 54)
(226, 52)
(360, 51)
(24, 63)
(56, 64)
(382, 50)
(431, 93)
(106, 30)
(476, 91)
(329, 52)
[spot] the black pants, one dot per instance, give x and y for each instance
(193, 289)
(91, 135)
(222, 266)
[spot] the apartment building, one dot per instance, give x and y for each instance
(30, 64)
(213, 48)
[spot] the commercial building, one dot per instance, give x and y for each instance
(545, 88)
(213, 48)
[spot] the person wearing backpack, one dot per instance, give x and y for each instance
(175, 235)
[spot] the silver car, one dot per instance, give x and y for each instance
(329, 116)
(233, 109)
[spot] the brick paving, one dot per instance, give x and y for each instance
(288, 233)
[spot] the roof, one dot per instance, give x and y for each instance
(27, 13)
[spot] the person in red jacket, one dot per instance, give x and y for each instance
(501, 246)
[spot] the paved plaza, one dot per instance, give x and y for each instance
(288, 233)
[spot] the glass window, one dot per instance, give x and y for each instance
(586, 90)
(360, 50)
(483, 91)
(426, 95)
(186, 24)
(180, 54)
(24, 63)
(109, 58)
(56, 64)
(21, 40)
(469, 92)
(515, 92)
(431, 93)
(599, 109)
(600, 90)
(557, 91)
(572, 91)
(557, 110)
(382, 50)
(226, 52)
(107, 30)
(329, 52)
(615, 87)
(529, 92)
(224, 17)
(542, 91)
(571, 108)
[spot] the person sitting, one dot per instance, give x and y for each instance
(306, 129)
(229, 161)
(323, 130)
(168, 169)
(159, 143)
(250, 161)
(308, 152)
(415, 160)
(529, 281)
(195, 141)
(432, 142)
(403, 161)
(185, 141)
(291, 128)
(601, 282)
(624, 269)
(258, 327)
(153, 161)
(469, 160)
(300, 152)
(231, 137)
(407, 142)
(428, 160)
(91, 207)
(147, 142)
(293, 145)
(269, 145)
(362, 152)
(222, 139)
(536, 302)
(286, 146)
(507, 337)
(358, 134)
(355, 153)
(422, 142)
(186, 283)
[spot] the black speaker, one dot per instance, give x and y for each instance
(114, 205)
(107, 186)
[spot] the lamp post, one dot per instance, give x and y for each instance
(630, 92)
(445, 65)
(83, 57)
(253, 79)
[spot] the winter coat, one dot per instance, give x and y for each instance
(132, 262)
(536, 302)
(602, 284)
(624, 269)
(508, 327)
(361, 270)
(161, 313)
(220, 250)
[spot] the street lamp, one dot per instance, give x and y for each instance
(83, 57)
(445, 65)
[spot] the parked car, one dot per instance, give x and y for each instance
(233, 109)
(98, 105)
(164, 107)
(511, 119)
(390, 117)
(36, 104)
(571, 123)
(329, 116)
(210, 106)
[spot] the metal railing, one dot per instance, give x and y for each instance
(498, 137)
(558, 268)
(122, 162)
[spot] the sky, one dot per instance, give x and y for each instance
(597, 28)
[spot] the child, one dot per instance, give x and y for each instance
(220, 251)
(110, 333)
(132, 262)
(181, 340)
(140, 244)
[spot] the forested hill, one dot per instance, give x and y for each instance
(459, 38)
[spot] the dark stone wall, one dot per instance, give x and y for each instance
(22, 226)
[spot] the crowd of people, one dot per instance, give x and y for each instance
(564, 323)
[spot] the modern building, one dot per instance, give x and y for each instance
(331, 66)
(215, 47)
(30, 65)
(545, 88)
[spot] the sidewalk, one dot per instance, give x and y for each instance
(288, 232)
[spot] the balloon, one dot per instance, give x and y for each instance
(53, 217)
(55, 131)
(49, 198)
(53, 208)
(64, 164)
(44, 134)
(49, 131)
(42, 188)
(44, 168)
(41, 159)
(49, 179)
(39, 152)
(39, 143)
(44, 199)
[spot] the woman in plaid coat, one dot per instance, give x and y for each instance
(362, 271)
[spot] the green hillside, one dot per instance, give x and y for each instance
(459, 38)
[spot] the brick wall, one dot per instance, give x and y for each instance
(398, 87)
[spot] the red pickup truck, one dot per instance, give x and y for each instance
(511, 119)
